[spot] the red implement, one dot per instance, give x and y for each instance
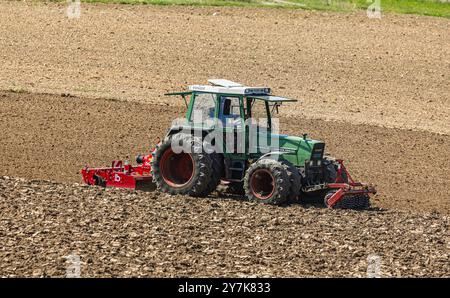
(349, 188)
(121, 175)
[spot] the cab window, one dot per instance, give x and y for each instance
(230, 111)
(203, 108)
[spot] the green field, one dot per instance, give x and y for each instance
(440, 8)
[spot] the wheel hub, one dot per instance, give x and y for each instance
(262, 184)
(176, 169)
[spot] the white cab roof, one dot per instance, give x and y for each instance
(224, 83)
(229, 87)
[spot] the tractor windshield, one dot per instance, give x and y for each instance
(230, 112)
(203, 108)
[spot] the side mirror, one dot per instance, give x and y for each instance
(275, 107)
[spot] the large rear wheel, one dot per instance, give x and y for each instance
(182, 170)
(216, 172)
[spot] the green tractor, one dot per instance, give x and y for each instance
(229, 135)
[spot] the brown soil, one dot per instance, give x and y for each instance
(129, 233)
(383, 83)
(391, 72)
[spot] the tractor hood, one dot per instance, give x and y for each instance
(298, 149)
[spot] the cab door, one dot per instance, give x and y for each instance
(260, 127)
(231, 118)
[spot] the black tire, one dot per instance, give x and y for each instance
(267, 181)
(216, 173)
(295, 180)
(236, 188)
(186, 173)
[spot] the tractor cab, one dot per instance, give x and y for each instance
(231, 107)
(241, 118)
(236, 103)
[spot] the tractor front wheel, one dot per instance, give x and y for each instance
(267, 181)
(295, 180)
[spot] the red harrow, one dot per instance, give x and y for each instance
(121, 175)
(341, 189)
